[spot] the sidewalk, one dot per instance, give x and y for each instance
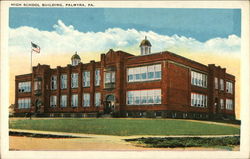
(86, 142)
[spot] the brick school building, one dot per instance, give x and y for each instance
(160, 84)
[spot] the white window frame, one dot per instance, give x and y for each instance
(198, 100)
(74, 100)
(64, 79)
(97, 99)
(229, 87)
(229, 104)
(137, 97)
(63, 101)
(97, 77)
(24, 103)
(24, 87)
(198, 79)
(109, 77)
(86, 99)
(53, 101)
(86, 78)
(135, 74)
(74, 80)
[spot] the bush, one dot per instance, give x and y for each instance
(188, 141)
(150, 114)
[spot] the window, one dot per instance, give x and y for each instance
(74, 80)
(53, 101)
(198, 100)
(198, 79)
(216, 83)
(144, 97)
(63, 101)
(24, 87)
(151, 72)
(221, 84)
(229, 104)
(157, 71)
(157, 96)
(86, 79)
(86, 100)
(97, 77)
(37, 85)
(63, 81)
(144, 73)
(97, 99)
(130, 74)
(74, 100)
(24, 103)
(229, 87)
(53, 82)
(221, 103)
(109, 77)
(137, 74)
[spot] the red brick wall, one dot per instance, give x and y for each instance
(175, 83)
(178, 87)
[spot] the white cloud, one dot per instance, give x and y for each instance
(66, 39)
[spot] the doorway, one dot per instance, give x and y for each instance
(109, 104)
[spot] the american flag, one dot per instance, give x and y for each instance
(35, 48)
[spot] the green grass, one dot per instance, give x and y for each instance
(125, 127)
(172, 142)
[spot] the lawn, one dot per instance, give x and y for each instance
(124, 127)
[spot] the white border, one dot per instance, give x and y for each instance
(245, 112)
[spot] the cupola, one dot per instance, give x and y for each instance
(145, 47)
(75, 59)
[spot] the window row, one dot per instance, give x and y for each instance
(74, 100)
(24, 103)
(24, 87)
(74, 80)
(144, 97)
(198, 100)
(229, 104)
(144, 73)
(198, 79)
(229, 85)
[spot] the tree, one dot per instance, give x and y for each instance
(11, 109)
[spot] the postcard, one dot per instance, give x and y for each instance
(124, 79)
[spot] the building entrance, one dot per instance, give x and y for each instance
(109, 104)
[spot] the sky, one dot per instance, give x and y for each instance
(204, 35)
(201, 24)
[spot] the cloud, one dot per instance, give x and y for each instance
(66, 39)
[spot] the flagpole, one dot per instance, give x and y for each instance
(31, 59)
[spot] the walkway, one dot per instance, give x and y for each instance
(85, 142)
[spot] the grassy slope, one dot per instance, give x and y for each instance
(125, 127)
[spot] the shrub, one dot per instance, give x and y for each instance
(189, 141)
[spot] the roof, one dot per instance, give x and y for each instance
(145, 42)
(75, 56)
